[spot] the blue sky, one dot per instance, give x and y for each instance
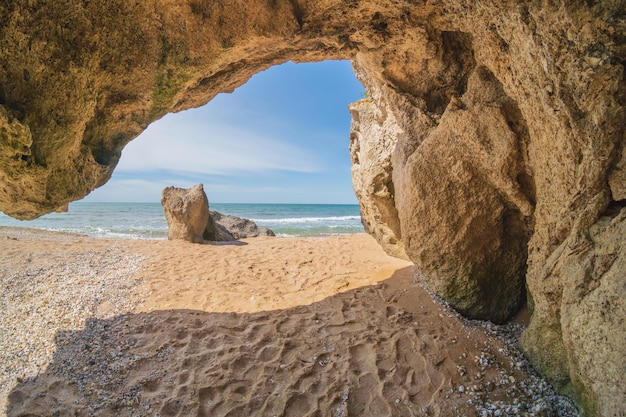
(280, 138)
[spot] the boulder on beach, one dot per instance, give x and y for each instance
(216, 232)
(186, 212)
(188, 218)
(224, 228)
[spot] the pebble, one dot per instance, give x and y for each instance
(530, 397)
(39, 304)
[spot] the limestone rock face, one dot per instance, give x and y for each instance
(186, 212)
(465, 212)
(495, 130)
(593, 313)
(467, 205)
(372, 140)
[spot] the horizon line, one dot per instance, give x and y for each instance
(214, 202)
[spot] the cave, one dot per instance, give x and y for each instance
(282, 137)
(490, 150)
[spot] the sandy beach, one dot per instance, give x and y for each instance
(264, 327)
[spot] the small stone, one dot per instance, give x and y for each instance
(592, 61)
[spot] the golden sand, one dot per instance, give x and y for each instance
(268, 326)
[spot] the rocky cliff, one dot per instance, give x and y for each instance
(491, 149)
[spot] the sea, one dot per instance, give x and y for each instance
(147, 220)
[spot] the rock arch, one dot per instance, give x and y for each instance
(490, 149)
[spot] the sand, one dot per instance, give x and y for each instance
(266, 327)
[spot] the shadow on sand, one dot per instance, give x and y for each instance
(226, 243)
(382, 350)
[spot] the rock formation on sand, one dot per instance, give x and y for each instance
(189, 218)
(186, 212)
(491, 150)
(216, 232)
(225, 227)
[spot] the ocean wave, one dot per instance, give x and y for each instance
(293, 220)
(112, 233)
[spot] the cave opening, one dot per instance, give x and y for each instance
(282, 137)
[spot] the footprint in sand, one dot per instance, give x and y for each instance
(414, 372)
(366, 395)
(298, 406)
(268, 353)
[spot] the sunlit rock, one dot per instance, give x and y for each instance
(373, 138)
(186, 212)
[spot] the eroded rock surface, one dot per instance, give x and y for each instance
(186, 212)
(464, 213)
(497, 131)
(372, 141)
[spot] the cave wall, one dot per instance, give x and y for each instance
(490, 150)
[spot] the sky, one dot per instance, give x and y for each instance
(283, 137)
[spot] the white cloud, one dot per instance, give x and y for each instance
(203, 148)
(133, 190)
(149, 190)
